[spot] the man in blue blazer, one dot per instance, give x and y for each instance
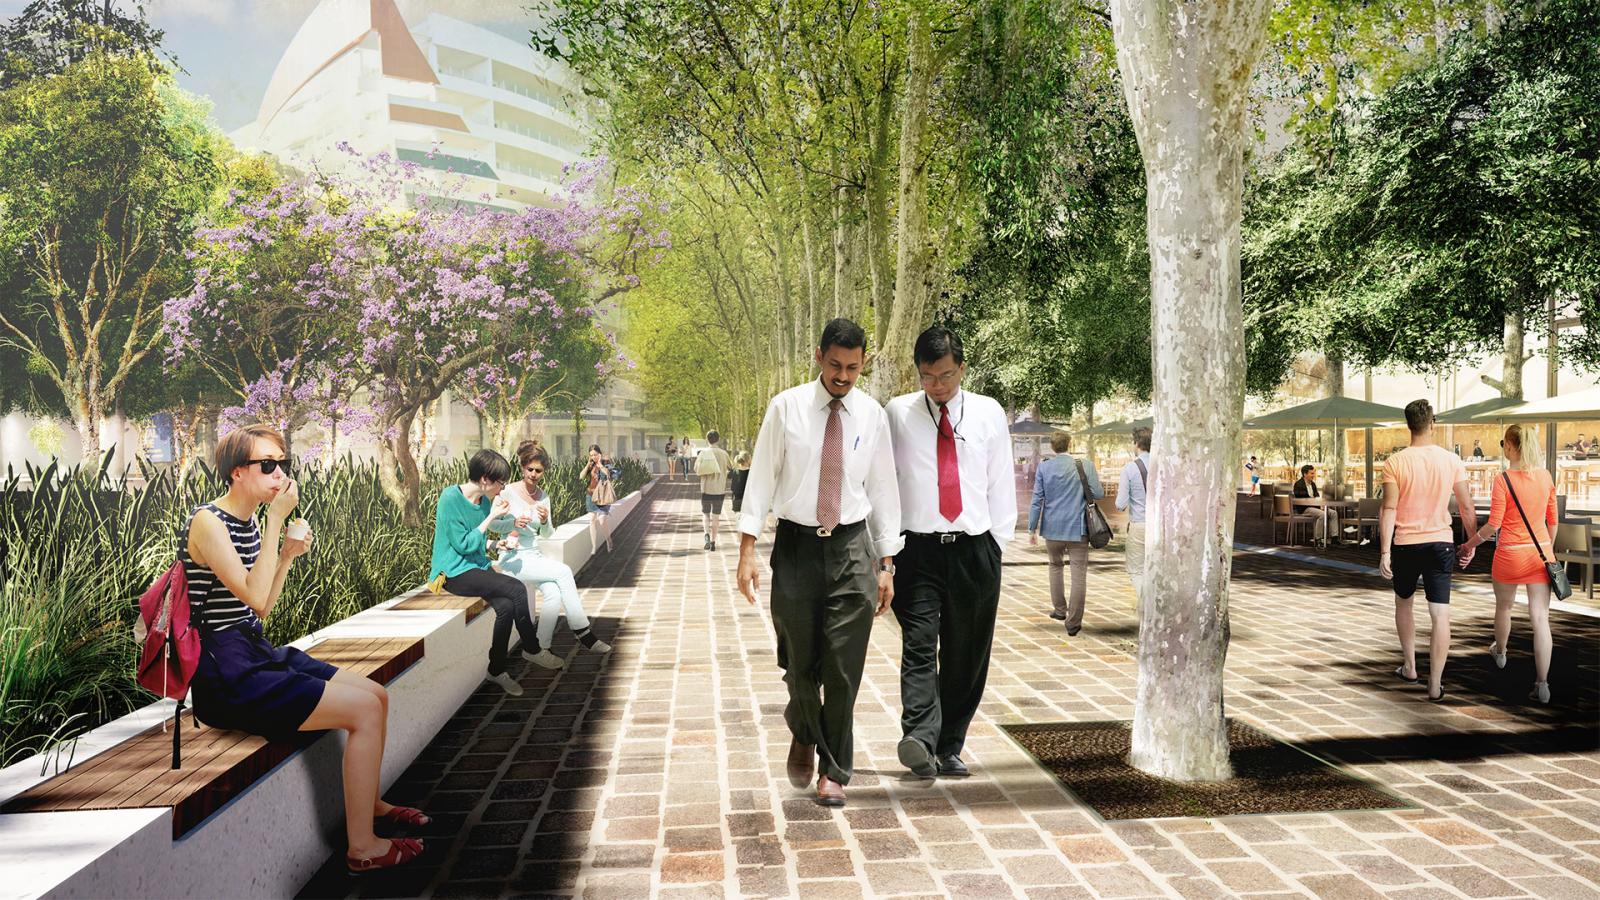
(1057, 513)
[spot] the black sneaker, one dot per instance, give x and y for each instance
(914, 755)
(708, 542)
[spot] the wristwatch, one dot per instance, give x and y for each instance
(886, 567)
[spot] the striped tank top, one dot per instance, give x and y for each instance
(210, 602)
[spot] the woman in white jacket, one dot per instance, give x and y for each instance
(527, 521)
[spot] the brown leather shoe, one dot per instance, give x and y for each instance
(829, 792)
(802, 762)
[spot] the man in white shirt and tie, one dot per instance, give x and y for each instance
(958, 508)
(824, 464)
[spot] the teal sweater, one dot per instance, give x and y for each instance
(458, 545)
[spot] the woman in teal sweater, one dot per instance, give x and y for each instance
(460, 558)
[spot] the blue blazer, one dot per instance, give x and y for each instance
(1057, 509)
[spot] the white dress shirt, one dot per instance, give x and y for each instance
(1131, 489)
(983, 457)
(787, 465)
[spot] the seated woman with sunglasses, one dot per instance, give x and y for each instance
(244, 683)
(528, 520)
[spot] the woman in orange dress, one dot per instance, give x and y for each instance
(1516, 558)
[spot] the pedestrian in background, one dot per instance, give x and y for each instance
(1522, 506)
(1132, 490)
(1416, 540)
(1062, 489)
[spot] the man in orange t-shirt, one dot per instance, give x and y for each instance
(1417, 542)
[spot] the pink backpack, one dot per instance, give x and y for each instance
(169, 643)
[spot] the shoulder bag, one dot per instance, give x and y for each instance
(1096, 530)
(1554, 572)
(603, 492)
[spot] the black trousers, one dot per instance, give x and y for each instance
(945, 598)
(508, 597)
(824, 592)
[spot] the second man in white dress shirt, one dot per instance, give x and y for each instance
(958, 508)
(823, 463)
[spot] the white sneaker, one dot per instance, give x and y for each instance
(1541, 692)
(544, 659)
(506, 683)
(599, 647)
(1499, 654)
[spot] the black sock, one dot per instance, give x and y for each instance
(586, 637)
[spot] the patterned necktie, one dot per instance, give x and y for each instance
(949, 472)
(832, 475)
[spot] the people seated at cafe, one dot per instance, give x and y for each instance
(1305, 488)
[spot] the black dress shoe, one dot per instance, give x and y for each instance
(1059, 617)
(1073, 632)
(951, 766)
(914, 755)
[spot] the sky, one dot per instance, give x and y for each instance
(228, 48)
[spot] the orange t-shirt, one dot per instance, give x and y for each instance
(1425, 478)
(1538, 496)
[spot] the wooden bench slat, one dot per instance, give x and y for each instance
(197, 768)
(135, 779)
(217, 764)
(474, 606)
(104, 771)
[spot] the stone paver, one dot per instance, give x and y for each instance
(658, 770)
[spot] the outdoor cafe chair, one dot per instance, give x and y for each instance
(1367, 510)
(1267, 489)
(1574, 543)
(1284, 514)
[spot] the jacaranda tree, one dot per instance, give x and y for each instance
(354, 289)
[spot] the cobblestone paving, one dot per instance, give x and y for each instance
(658, 770)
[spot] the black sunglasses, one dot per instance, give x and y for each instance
(268, 466)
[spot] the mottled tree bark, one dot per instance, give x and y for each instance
(1186, 71)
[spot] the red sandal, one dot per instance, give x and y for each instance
(401, 851)
(404, 815)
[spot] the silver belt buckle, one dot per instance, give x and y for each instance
(824, 532)
(947, 537)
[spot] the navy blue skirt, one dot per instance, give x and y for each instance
(244, 683)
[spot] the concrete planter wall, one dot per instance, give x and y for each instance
(271, 838)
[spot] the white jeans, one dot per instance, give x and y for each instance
(554, 580)
(1133, 556)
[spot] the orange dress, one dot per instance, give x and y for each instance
(1516, 560)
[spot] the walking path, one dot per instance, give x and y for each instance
(658, 770)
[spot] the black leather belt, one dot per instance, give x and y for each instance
(813, 531)
(942, 537)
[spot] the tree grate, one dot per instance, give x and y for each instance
(1089, 759)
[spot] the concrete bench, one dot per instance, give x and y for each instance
(252, 826)
(217, 765)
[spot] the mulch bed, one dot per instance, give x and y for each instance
(1090, 760)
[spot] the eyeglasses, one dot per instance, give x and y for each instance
(947, 378)
(268, 466)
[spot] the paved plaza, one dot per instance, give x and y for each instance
(659, 770)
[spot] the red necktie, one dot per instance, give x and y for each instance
(830, 479)
(949, 471)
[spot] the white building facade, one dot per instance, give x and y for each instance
(445, 94)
